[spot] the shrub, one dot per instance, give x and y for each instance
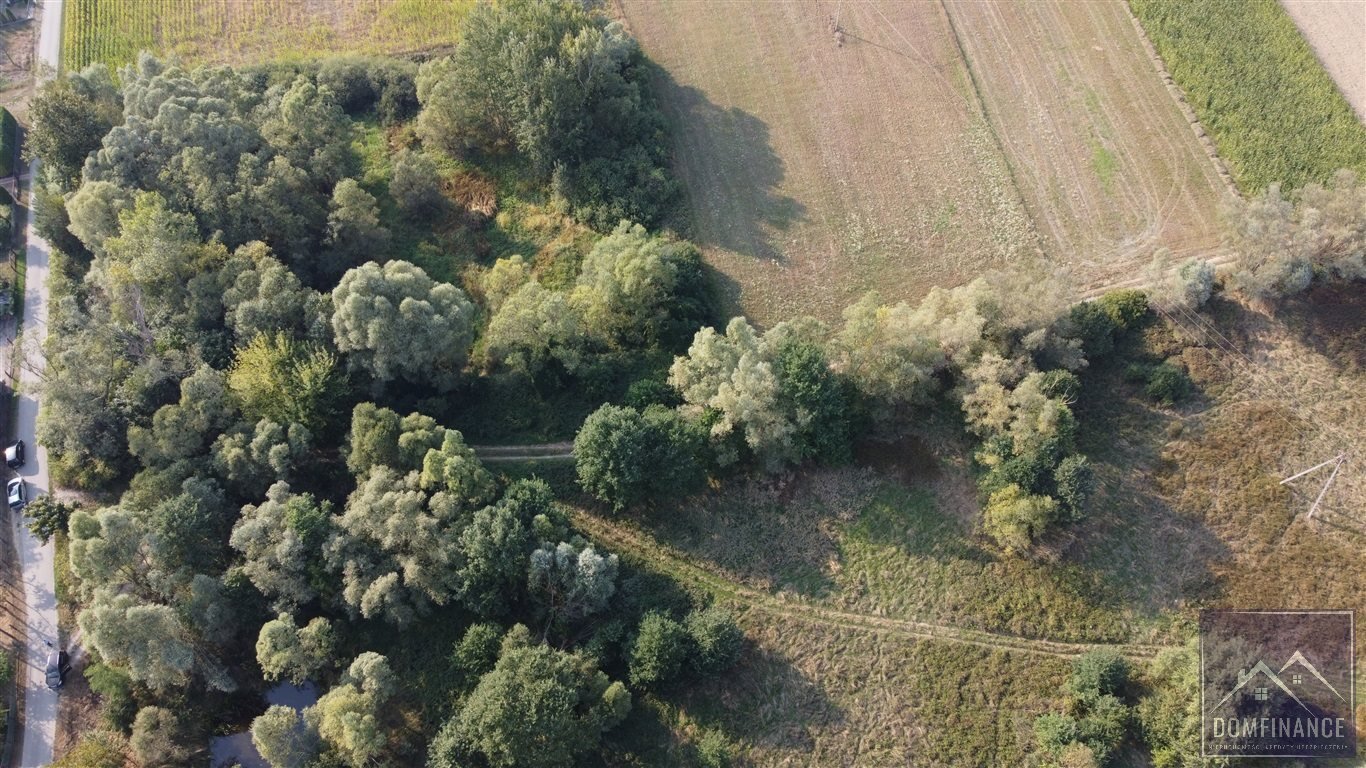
(658, 652)
(1094, 327)
(716, 638)
(1099, 673)
(1137, 373)
(1168, 384)
(1125, 308)
(1073, 481)
(115, 687)
(159, 738)
(1015, 519)
(99, 749)
(416, 186)
(643, 393)
(1061, 384)
(1103, 728)
(713, 751)
(1053, 732)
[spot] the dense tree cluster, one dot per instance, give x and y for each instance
(226, 294)
(568, 90)
(1282, 244)
(1106, 704)
(796, 391)
(634, 291)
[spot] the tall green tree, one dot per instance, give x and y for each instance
(354, 232)
(70, 117)
(538, 708)
(626, 457)
(395, 321)
(281, 542)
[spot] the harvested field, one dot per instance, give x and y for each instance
(1108, 165)
(817, 170)
(928, 143)
(1336, 30)
(246, 31)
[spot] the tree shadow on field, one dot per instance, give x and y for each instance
(766, 701)
(776, 533)
(1142, 549)
(1330, 319)
(731, 172)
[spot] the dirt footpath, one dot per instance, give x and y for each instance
(1336, 30)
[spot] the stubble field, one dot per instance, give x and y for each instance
(817, 170)
(1109, 167)
(928, 143)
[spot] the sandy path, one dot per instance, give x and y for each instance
(1336, 30)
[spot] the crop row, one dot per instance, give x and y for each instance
(1274, 113)
(238, 31)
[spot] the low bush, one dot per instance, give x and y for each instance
(1168, 384)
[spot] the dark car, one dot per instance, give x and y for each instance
(17, 493)
(14, 455)
(57, 667)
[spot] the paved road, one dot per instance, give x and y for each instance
(36, 558)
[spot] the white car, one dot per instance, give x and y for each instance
(17, 493)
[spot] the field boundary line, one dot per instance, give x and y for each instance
(976, 87)
(1179, 97)
(680, 566)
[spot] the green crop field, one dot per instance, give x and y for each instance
(1274, 113)
(240, 31)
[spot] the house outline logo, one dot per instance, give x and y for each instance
(1252, 708)
(1246, 677)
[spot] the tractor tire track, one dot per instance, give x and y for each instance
(636, 544)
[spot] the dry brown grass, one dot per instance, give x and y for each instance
(1295, 396)
(928, 146)
(813, 696)
(816, 171)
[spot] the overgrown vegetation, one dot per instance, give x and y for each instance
(234, 347)
(1283, 245)
(9, 142)
(1275, 115)
(277, 291)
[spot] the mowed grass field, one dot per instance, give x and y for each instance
(816, 171)
(244, 31)
(935, 141)
(1109, 167)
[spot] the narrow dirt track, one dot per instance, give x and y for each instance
(528, 452)
(638, 544)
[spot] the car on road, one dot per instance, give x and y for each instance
(57, 666)
(14, 455)
(17, 493)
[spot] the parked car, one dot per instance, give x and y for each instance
(57, 666)
(14, 455)
(17, 493)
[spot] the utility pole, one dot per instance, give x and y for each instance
(1337, 462)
